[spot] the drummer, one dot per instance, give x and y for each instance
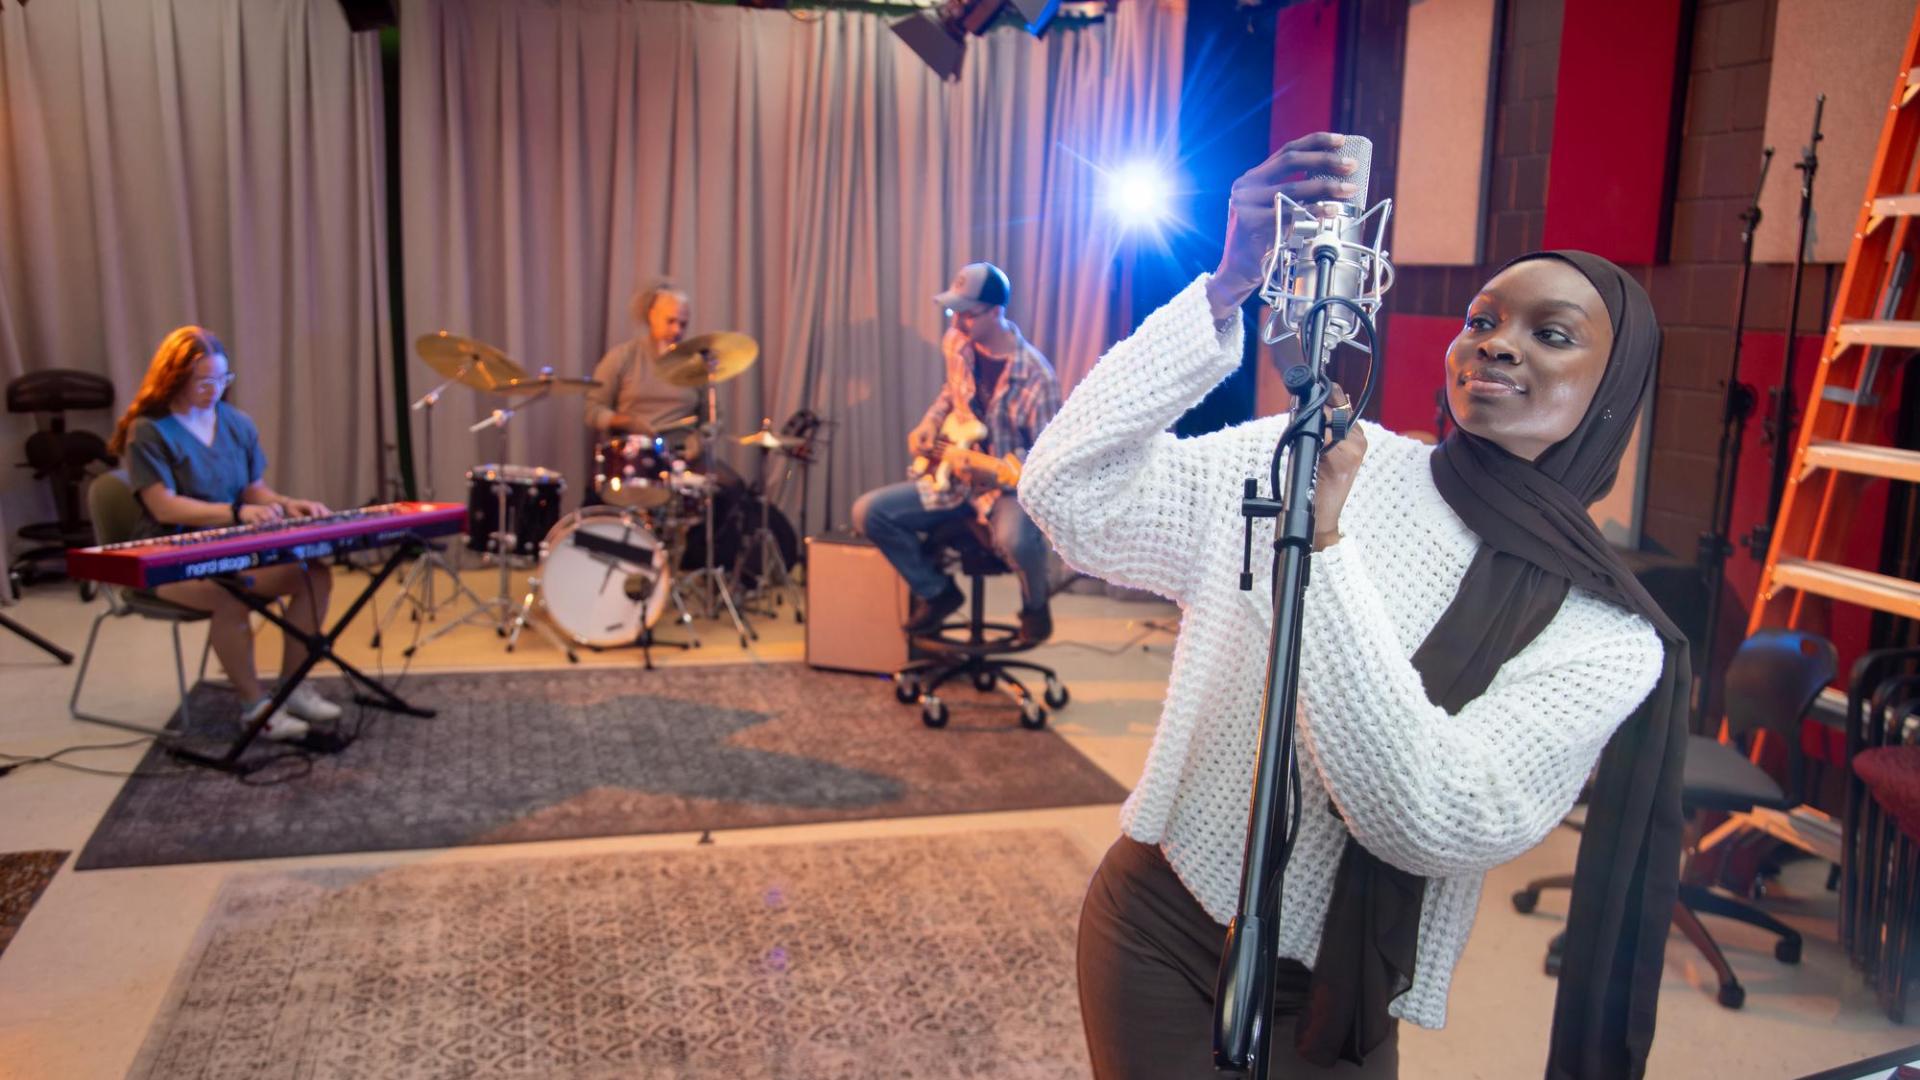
(632, 398)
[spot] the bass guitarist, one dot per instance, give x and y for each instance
(999, 393)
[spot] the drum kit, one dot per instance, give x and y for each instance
(673, 528)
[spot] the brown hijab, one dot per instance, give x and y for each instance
(1537, 542)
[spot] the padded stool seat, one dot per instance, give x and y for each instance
(1892, 774)
(975, 647)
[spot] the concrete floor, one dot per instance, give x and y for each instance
(82, 981)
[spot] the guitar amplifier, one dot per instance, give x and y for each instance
(856, 605)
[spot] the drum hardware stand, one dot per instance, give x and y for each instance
(506, 616)
(775, 578)
(715, 582)
(417, 587)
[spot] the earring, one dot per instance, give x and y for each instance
(1606, 414)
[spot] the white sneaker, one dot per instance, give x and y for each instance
(307, 704)
(280, 727)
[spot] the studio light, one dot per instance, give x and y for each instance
(938, 32)
(1139, 194)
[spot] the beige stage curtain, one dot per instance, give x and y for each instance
(807, 179)
(199, 161)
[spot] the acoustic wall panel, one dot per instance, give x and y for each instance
(1613, 127)
(1415, 370)
(1445, 132)
(1848, 50)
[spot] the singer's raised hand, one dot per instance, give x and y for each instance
(1251, 221)
(1333, 479)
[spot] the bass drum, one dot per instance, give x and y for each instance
(603, 576)
(735, 517)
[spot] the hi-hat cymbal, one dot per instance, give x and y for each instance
(707, 359)
(466, 361)
(766, 439)
(547, 383)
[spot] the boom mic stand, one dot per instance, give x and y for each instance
(1714, 545)
(1780, 426)
(1243, 1004)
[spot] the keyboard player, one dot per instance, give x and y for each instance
(196, 463)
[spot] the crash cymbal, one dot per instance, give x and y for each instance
(547, 383)
(707, 359)
(468, 362)
(766, 439)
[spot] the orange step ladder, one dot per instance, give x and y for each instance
(1842, 444)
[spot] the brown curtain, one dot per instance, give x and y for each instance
(805, 177)
(199, 161)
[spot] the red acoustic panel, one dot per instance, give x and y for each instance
(1613, 118)
(1306, 45)
(1414, 371)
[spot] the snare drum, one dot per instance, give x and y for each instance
(632, 470)
(603, 576)
(532, 505)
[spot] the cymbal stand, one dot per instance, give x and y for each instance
(416, 588)
(775, 579)
(713, 582)
(506, 614)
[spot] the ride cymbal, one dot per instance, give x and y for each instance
(547, 383)
(710, 358)
(468, 362)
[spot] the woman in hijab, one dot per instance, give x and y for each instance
(1471, 650)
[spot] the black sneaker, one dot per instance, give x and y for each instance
(1036, 625)
(925, 616)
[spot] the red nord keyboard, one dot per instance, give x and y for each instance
(143, 564)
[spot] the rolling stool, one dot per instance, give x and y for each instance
(63, 458)
(976, 648)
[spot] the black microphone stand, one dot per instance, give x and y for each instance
(1243, 1009)
(1715, 547)
(1781, 425)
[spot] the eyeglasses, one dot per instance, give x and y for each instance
(217, 382)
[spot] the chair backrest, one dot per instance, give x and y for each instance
(1772, 682)
(114, 507)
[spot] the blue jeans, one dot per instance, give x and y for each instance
(894, 520)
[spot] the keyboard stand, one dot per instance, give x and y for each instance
(319, 647)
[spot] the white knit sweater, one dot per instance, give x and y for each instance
(1446, 797)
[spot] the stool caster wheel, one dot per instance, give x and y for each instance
(933, 712)
(1057, 696)
(1525, 900)
(906, 691)
(1732, 995)
(1032, 716)
(984, 680)
(1787, 950)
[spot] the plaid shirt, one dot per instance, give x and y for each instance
(1025, 400)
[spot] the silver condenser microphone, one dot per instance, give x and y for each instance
(1361, 272)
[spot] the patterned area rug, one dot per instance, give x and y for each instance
(918, 957)
(24, 875)
(541, 755)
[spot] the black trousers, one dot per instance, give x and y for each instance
(1148, 958)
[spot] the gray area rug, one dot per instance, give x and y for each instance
(541, 755)
(919, 957)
